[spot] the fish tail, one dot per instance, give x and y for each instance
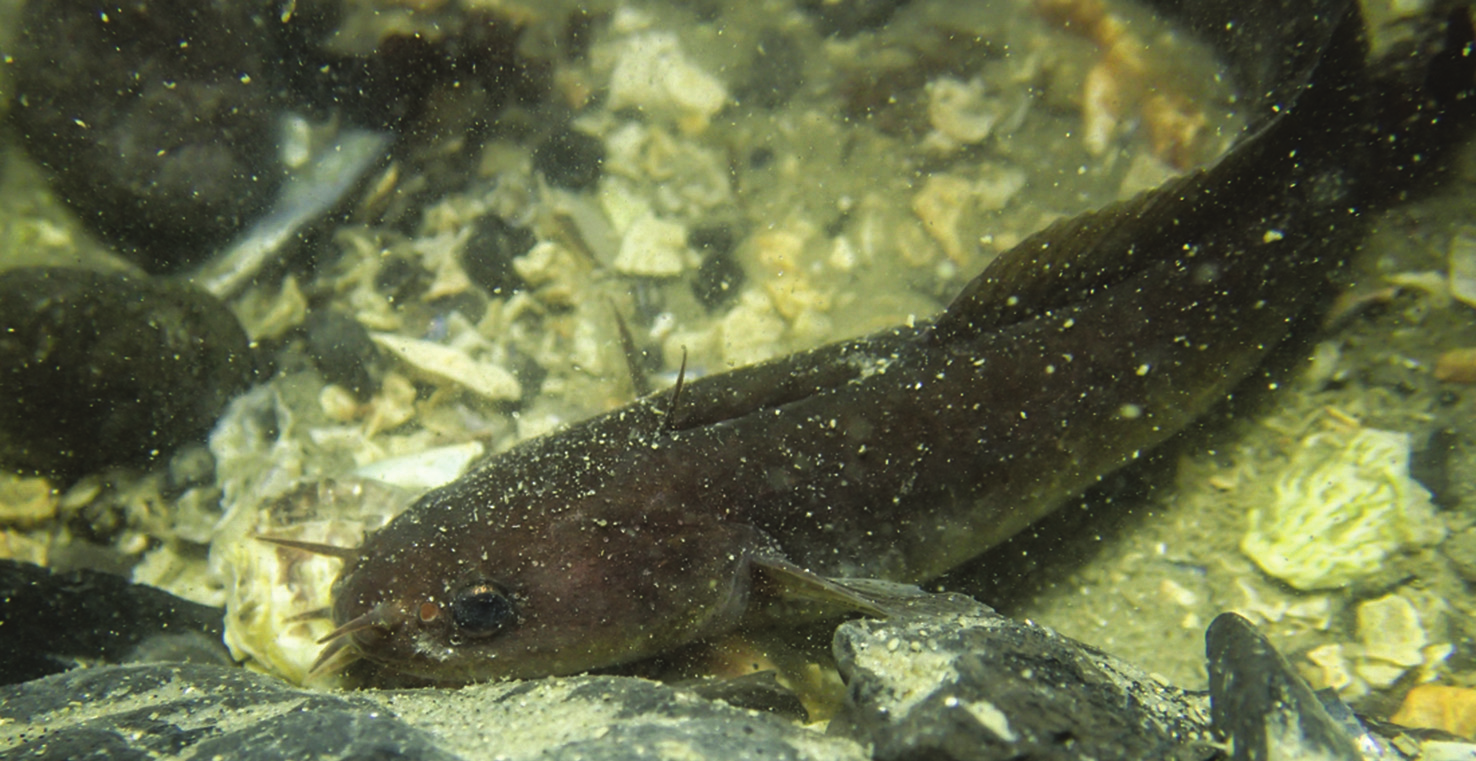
(1331, 136)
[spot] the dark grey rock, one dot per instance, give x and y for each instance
(343, 352)
(775, 72)
(720, 278)
(943, 678)
(490, 252)
(947, 677)
(154, 119)
(51, 622)
(192, 711)
(102, 369)
(1460, 547)
(179, 711)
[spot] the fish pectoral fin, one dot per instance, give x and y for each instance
(888, 596)
(781, 579)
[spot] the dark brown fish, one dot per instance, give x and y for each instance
(900, 455)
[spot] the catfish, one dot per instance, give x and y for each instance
(732, 499)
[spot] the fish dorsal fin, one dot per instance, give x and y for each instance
(640, 382)
(668, 419)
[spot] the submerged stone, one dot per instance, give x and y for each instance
(99, 369)
(58, 621)
(155, 120)
(191, 711)
(947, 677)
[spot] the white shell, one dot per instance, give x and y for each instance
(424, 470)
(445, 363)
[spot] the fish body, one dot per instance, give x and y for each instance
(895, 456)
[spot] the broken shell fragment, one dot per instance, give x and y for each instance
(960, 111)
(654, 74)
(1457, 366)
(1392, 636)
(942, 205)
(26, 502)
(442, 363)
(1439, 706)
(1461, 259)
(424, 470)
(655, 248)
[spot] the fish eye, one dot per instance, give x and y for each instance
(482, 610)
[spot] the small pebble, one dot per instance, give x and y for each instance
(25, 501)
(343, 352)
(1457, 366)
(654, 247)
(1438, 706)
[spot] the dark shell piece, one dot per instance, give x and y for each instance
(155, 119)
(775, 72)
(720, 277)
(1261, 705)
(489, 254)
(343, 352)
(849, 17)
(99, 369)
(570, 159)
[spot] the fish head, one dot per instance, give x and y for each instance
(457, 604)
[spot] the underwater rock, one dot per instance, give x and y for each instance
(654, 75)
(155, 119)
(774, 74)
(947, 677)
(654, 247)
(99, 369)
(190, 711)
(961, 111)
(1439, 706)
(720, 276)
(343, 352)
(26, 502)
(160, 122)
(319, 183)
(1393, 639)
(1461, 265)
(1456, 366)
(58, 621)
